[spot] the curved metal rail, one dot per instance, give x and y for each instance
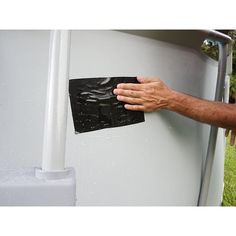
(223, 41)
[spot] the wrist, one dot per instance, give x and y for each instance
(173, 98)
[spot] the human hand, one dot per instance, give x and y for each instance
(233, 135)
(150, 95)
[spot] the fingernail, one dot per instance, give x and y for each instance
(115, 91)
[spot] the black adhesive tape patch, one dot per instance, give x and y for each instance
(94, 106)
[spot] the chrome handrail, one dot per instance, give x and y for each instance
(223, 41)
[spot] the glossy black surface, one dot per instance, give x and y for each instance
(94, 106)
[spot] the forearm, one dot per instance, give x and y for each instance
(213, 113)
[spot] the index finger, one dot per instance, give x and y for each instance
(130, 86)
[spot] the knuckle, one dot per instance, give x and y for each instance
(131, 93)
(149, 90)
(132, 100)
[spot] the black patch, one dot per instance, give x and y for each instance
(94, 106)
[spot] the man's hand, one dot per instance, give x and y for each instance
(150, 95)
(233, 136)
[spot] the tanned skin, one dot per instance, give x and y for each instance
(152, 94)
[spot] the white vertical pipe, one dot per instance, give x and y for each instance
(56, 102)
